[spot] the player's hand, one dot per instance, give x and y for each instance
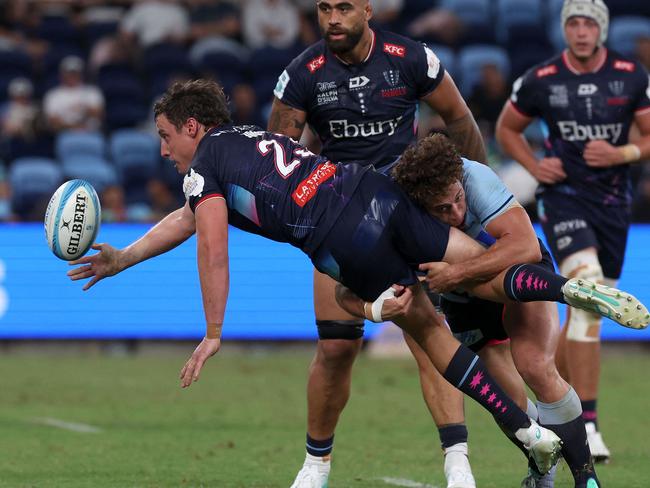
(400, 305)
(601, 154)
(442, 277)
(206, 349)
(98, 266)
(550, 171)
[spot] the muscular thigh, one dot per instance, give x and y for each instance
(325, 305)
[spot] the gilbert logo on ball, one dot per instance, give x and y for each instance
(72, 219)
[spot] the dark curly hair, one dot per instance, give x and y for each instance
(202, 100)
(427, 169)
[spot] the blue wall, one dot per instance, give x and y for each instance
(270, 295)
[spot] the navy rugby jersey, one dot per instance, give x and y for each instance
(366, 111)
(272, 186)
(578, 108)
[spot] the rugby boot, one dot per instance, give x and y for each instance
(314, 473)
(543, 445)
(599, 451)
(458, 471)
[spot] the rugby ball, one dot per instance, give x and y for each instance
(72, 219)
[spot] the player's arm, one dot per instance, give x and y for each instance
(212, 257)
(516, 242)
(171, 231)
(286, 120)
(447, 101)
(510, 135)
(601, 154)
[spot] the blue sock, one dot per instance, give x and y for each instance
(319, 448)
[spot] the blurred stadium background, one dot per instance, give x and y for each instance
(114, 58)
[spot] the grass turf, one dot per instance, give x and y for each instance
(243, 424)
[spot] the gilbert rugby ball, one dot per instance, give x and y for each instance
(72, 219)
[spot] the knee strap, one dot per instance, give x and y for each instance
(583, 326)
(340, 329)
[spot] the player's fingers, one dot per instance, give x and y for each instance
(83, 260)
(91, 283)
(80, 276)
(77, 271)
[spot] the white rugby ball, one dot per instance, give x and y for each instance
(72, 219)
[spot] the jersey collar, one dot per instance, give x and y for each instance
(575, 71)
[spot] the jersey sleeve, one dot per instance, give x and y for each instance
(292, 87)
(200, 183)
(428, 72)
(486, 195)
(524, 95)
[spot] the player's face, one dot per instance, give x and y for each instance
(451, 207)
(177, 145)
(342, 23)
(582, 34)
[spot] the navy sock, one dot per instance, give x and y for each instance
(320, 448)
(589, 412)
(467, 372)
(452, 434)
(533, 283)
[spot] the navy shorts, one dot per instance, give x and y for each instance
(572, 224)
(379, 239)
(476, 322)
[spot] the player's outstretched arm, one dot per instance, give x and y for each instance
(447, 101)
(212, 256)
(171, 231)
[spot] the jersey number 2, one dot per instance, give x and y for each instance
(285, 169)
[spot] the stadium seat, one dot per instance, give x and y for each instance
(265, 65)
(75, 143)
(472, 58)
(447, 58)
(165, 60)
(136, 156)
(96, 170)
(477, 16)
(33, 181)
(224, 67)
(518, 20)
(57, 30)
(15, 63)
(624, 32)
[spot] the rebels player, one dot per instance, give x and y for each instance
(588, 96)
(354, 223)
(359, 90)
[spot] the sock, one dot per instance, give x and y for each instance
(533, 283)
(564, 417)
(319, 448)
(467, 372)
(452, 434)
(531, 410)
(589, 412)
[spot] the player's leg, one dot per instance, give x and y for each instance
(445, 403)
(340, 336)
(534, 330)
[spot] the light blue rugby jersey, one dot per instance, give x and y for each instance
(487, 198)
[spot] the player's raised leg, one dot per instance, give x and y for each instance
(445, 403)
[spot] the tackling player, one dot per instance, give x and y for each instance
(588, 96)
(359, 90)
(355, 225)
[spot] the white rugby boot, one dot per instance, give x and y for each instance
(458, 471)
(543, 445)
(620, 306)
(315, 473)
(599, 451)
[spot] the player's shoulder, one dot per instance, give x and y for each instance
(226, 136)
(622, 64)
(310, 60)
(475, 172)
(545, 70)
(396, 45)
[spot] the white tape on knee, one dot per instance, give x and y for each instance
(583, 326)
(379, 303)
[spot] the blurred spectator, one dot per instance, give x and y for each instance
(113, 203)
(73, 104)
(385, 12)
(214, 18)
(18, 114)
(5, 196)
(437, 25)
(162, 199)
(243, 104)
(488, 97)
(642, 52)
(274, 23)
(156, 21)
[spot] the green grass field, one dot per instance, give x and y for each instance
(243, 424)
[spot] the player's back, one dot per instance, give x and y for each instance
(272, 186)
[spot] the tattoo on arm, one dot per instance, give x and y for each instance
(286, 120)
(467, 137)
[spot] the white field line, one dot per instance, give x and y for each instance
(62, 424)
(405, 483)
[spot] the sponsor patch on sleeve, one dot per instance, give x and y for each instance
(281, 85)
(433, 63)
(193, 184)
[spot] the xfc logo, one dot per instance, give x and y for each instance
(395, 50)
(358, 82)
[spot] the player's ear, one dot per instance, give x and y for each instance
(368, 10)
(192, 126)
